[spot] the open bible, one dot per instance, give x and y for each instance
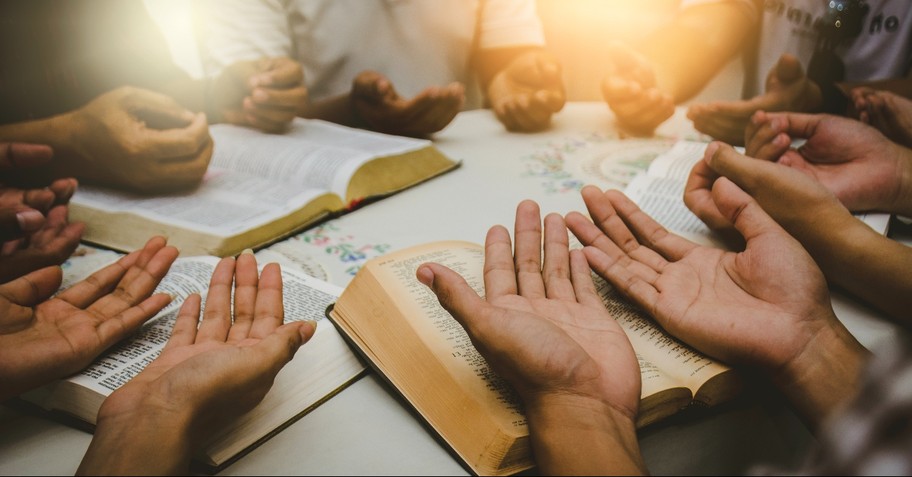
(398, 325)
(320, 369)
(262, 187)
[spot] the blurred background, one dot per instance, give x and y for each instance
(576, 31)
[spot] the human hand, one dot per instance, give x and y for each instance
(788, 88)
(51, 244)
(265, 94)
(543, 328)
(767, 306)
(864, 169)
(44, 338)
(632, 92)
(527, 92)
(886, 111)
(137, 140)
(22, 210)
(210, 372)
(798, 202)
(377, 104)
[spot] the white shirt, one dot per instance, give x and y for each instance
(882, 50)
(415, 43)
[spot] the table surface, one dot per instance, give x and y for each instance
(364, 429)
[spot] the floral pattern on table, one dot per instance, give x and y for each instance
(344, 248)
(604, 159)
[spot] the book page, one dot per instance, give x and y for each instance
(311, 154)
(225, 203)
(304, 298)
(662, 199)
(444, 335)
(669, 362)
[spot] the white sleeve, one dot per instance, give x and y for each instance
(235, 30)
(509, 23)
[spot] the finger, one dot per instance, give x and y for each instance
(112, 330)
(499, 272)
(171, 144)
(639, 259)
(246, 281)
(503, 110)
(371, 87)
(159, 110)
(17, 155)
(649, 232)
(455, 295)
(18, 222)
(280, 347)
(63, 190)
(100, 283)
(581, 277)
(270, 312)
(265, 118)
(623, 279)
(556, 268)
(749, 174)
(764, 138)
(217, 313)
(550, 100)
(38, 199)
(32, 288)
(281, 99)
(136, 285)
(698, 195)
(743, 211)
(528, 249)
(184, 331)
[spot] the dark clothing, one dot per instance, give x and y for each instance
(57, 55)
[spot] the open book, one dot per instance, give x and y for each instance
(398, 325)
(659, 192)
(262, 187)
(321, 368)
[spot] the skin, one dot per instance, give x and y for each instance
(788, 88)
(858, 259)
(158, 141)
(522, 84)
(524, 87)
(210, 371)
(887, 111)
(864, 169)
(34, 232)
(766, 307)
(43, 338)
(544, 329)
(645, 81)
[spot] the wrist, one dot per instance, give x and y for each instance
(825, 374)
(142, 438)
(574, 434)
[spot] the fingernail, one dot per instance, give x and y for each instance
(710, 151)
(247, 251)
(425, 275)
(260, 95)
(29, 220)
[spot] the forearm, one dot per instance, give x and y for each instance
(575, 436)
(713, 34)
(870, 266)
(142, 443)
(825, 376)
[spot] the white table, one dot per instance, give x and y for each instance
(363, 429)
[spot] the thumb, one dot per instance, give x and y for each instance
(33, 288)
(454, 294)
(279, 348)
(748, 173)
(748, 218)
(789, 69)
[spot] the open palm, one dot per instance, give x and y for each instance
(543, 328)
(758, 307)
(43, 338)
